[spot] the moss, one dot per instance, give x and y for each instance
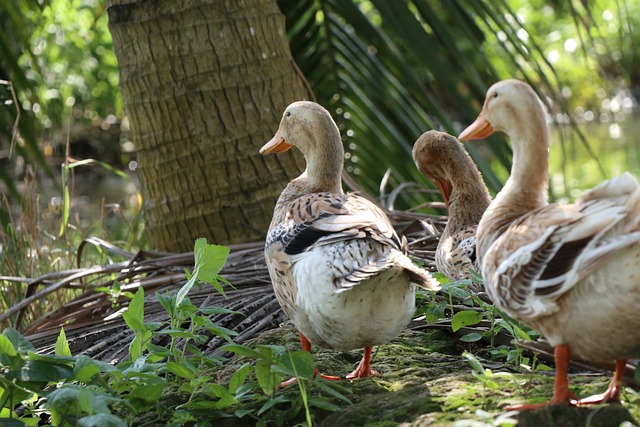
(564, 416)
(388, 409)
(424, 381)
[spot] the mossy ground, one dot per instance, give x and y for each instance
(425, 381)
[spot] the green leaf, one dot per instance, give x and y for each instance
(85, 401)
(217, 310)
(298, 363)
(147, 392)
(267, 380)
(139, 344)
(475, 364)
(86, 372)
(273, 402)
(181, 370)
(241, 350)
(242, 412)
(215, 390)
(134, 316)
(86, 368)
(6, 347)
(62, 345)
(12, 422)
(41, 371)
(323, 404)
(330, 387)
(238, 378)
(102, 420)
(209, 260)
(458, 290)
(20, 343)
(465, 318)
(471, 337)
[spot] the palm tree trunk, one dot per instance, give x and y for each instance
(204, 84)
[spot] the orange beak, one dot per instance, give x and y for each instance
(277, 144)
(479, 129)
(445, 187)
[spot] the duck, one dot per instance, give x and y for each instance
(443, 159)
(339, 270)
(570, 271)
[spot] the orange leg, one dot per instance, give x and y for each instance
(613, 391)
(306, 346)
(561, 393)
(364, 367)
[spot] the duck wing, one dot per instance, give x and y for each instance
(546, 253)
(350, 224)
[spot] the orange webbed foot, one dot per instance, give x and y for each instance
(290, 381)
(306, 346)
(364, 367)
(612, 394)
(561, 393)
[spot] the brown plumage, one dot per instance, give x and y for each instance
(442, 158)
(339, 270)
(572, 271)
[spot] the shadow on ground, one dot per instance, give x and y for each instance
(424, 381)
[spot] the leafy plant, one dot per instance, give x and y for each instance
(486, 376)
(79, 390)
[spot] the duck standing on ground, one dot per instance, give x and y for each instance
(338, 268)
(442, 158)
(571, 271)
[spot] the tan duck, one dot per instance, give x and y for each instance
(442, 158)
(571, 271)
(338, 268)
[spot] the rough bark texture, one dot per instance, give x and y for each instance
(204, 84)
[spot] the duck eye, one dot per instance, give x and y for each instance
(495, 94)
(288, 113)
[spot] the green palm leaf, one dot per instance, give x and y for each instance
(389, 71)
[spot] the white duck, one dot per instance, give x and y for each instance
(338, 268)
(571, 271)
(442, 158)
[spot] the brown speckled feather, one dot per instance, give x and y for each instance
(443, 159)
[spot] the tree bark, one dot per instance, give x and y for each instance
(204, 84)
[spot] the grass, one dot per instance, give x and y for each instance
(45, 235)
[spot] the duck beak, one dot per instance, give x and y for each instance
(445, 187)
(479, 129)
(277, 144)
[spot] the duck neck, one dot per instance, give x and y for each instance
(526, 188)
(324, 170)
(469, 197)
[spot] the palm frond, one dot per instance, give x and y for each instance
(389, 71)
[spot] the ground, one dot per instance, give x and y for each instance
(425, 381)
